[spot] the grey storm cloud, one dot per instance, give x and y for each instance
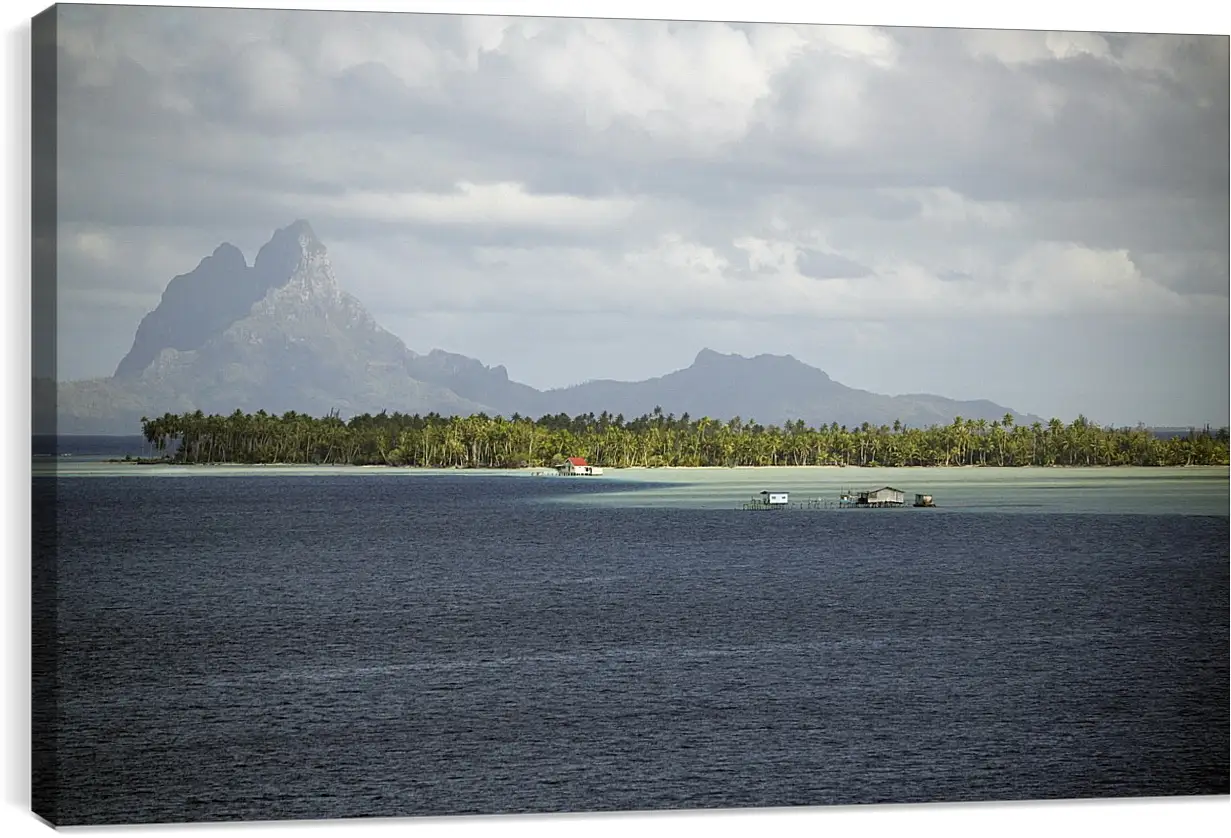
(820, 265)
(705, 175)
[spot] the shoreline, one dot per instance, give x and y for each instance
(550, 471)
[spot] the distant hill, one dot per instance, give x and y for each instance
(771, 389)
(280, 335)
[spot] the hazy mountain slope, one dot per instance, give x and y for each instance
(198, 305)
(472, 380)
(771, 389)
(280, 335)
(103, 406)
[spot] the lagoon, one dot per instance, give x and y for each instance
(1192, 490)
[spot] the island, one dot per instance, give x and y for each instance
(656, 440)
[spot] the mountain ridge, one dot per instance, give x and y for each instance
(281, 334)
(774, 389)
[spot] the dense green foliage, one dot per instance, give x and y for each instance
(660, 440)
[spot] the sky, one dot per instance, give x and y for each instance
(1039, 218)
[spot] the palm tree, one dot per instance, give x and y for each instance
(484, 441)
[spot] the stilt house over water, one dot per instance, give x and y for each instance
(769, 500)
(884, 496)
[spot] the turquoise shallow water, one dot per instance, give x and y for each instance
(1141, 491)
(1138, 491)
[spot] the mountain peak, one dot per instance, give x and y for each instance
(229, 256)
(769, 357)
(765, 364)
(278, 259)
(222, 289)
(301, 231)
(709, 356)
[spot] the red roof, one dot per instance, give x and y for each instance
(577, 461)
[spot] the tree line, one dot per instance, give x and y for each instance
(655, 439)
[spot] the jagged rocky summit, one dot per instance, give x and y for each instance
(276, 335)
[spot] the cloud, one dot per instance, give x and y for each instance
(685, 279)
(944, 209)
(818, 264)
(489, 203)
(1025, 47)
(1067, 278)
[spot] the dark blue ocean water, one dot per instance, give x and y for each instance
(321, 647)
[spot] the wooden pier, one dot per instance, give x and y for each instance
(884, 498)
(811, 503)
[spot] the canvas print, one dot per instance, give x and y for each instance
(444, 414)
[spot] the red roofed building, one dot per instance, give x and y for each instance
(578, 466)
